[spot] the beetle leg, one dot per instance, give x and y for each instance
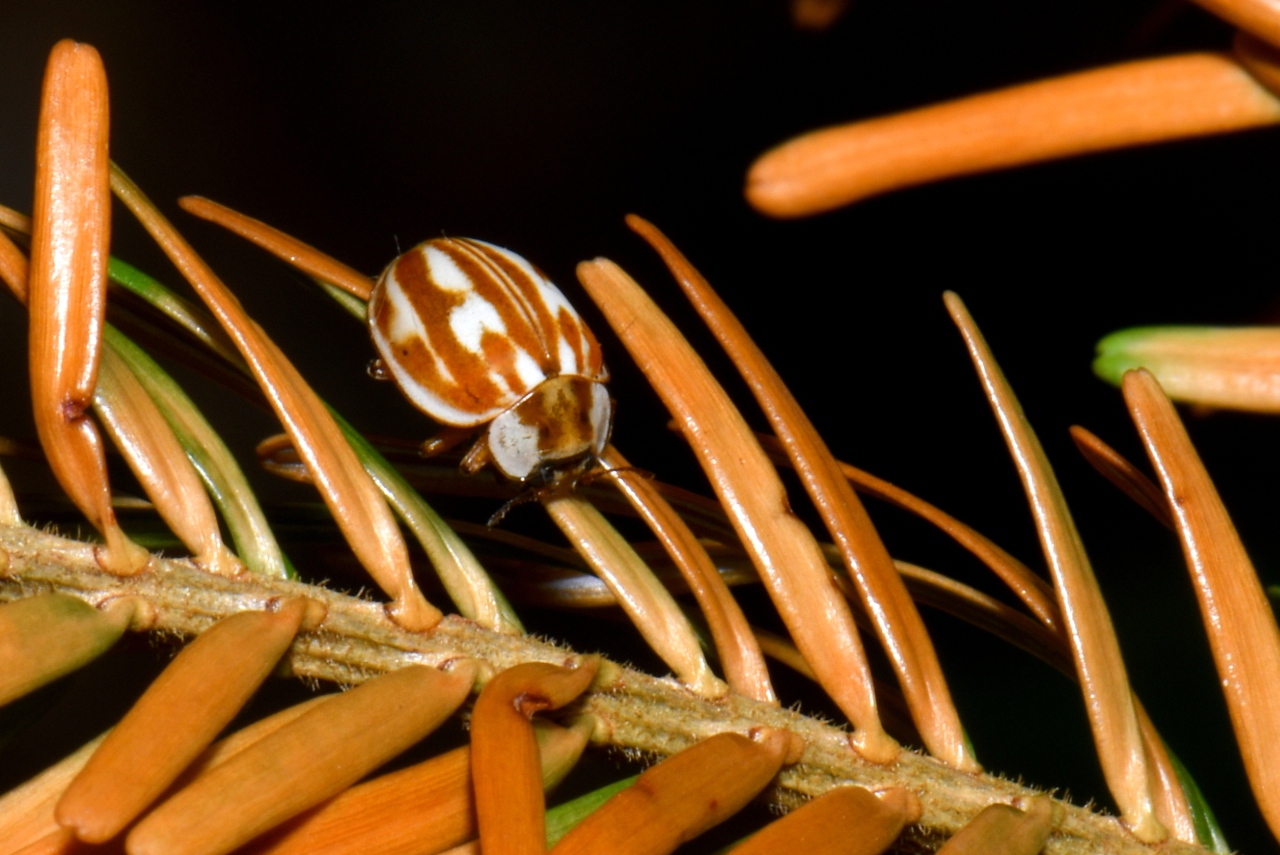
(478, 456)
(450, 437)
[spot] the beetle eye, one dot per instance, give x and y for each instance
(549, 475)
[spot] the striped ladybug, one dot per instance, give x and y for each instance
(474, 335)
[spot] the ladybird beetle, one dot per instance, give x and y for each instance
(474, 335)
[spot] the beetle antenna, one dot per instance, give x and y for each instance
(524, 498)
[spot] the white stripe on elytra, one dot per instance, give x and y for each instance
(568, 359)
(528, 370)
(469, 323)
(406, 324)
(553, 302)
(517, 296)
(471, 319)
(444, 273)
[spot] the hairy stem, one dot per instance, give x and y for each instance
(634, 712)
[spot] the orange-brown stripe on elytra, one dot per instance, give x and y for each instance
(507, 289)
(595, 356)
(500, 356)
(571, 329)
(592, 362)
(470, 388)
(510, 287)
(585, 348)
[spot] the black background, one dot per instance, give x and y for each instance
(539, 125)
